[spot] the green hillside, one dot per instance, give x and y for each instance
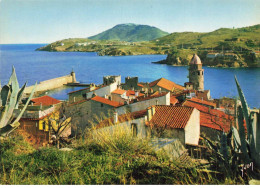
(228, 39)
(243, 43)
(130, 33)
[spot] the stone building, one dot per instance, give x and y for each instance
(107, 80)
(88, 111)
(123, 96)
(196, 74)
(178, 122)
(164, 85)
(87, 93)
(130, 83)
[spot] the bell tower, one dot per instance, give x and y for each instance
(196, 73)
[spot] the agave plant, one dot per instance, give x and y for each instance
(245, 147)
(11, 96)
(246, 143)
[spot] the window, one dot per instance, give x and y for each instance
(202, 72)
(43, 125)
(198, 73)
(134, 129)
(102, 105)
(84, 95)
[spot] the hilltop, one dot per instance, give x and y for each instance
(130, 33)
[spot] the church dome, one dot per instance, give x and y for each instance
(195, 60)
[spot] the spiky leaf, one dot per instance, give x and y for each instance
(5, 92)
(223, 146)
(13, 79)
(19, 96)
(244, 106)
(12, 102)
(26, 104)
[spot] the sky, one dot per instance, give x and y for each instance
(46, 21)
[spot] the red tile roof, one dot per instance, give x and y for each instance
(106, 101)
(170, 116)
(155, 93)
(44, 101)
(203, 102)
(143, 98)
(173, 100)
(119, 91)
(132, 93)
(212, 118)
(166, 84)
(140, 85)
(122, 118)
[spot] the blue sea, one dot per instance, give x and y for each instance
(35, 66)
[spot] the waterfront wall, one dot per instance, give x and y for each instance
(52, 83)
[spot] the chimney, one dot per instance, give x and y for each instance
(149, 114)
(40, 106)
(115, 117)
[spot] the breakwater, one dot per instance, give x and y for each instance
(52, 83)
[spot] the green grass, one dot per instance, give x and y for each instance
(100, 158)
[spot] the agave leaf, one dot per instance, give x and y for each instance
(223, 146)
(13, 79)
(19, 96)
(3, 115)
(16, 123)
(4, 94)
(244, 107)
(242, 134)
(246, 113)
(210, 144)
(12, 102)
(236, 136)
(8, 128)
(26, 104)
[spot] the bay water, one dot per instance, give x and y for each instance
(38, 66)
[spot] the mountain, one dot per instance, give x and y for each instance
(130, 33)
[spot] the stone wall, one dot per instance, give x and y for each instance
(51, 84)
(103, 91)
(163, 100)
(213, 134)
